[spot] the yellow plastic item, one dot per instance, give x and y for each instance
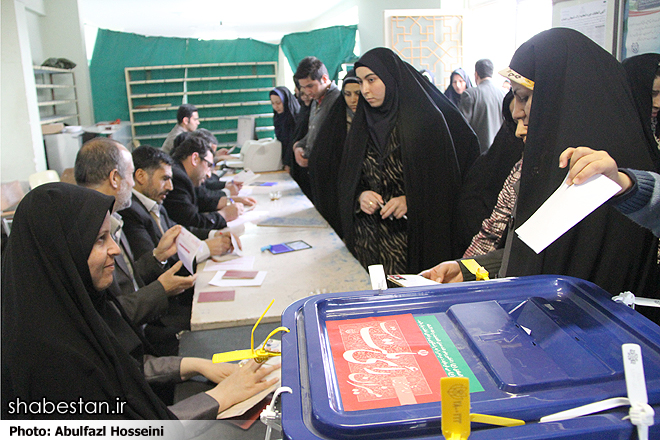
(495, 420)
(260, 355)
(476, 269)
(456, 417)
(455, 407)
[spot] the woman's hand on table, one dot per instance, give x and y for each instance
(243, 383)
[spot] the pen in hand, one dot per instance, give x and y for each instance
(391, 217)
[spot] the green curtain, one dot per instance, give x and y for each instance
(115, 50)
(334, 46)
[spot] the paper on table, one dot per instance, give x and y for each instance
(246, 177)
(187, 246)
(241, 407)
(250, 216)
(564, 209)
(255, 282)
(242, 263)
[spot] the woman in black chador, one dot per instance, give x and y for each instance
(401, 168)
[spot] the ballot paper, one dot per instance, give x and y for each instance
(564, 209)
(230, 263)
(218, 280)
(187, 246)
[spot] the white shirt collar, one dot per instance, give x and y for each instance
(150, 204)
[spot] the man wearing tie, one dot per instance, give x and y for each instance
(146, 220)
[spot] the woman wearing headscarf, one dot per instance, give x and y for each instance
(555, 94)
(401, 168)
(644, 78)
(326, 156)
(458, 82)
(481, 187)
(66, 339)
(285, 112)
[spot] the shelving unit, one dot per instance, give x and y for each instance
(222, 92)
(56, 95)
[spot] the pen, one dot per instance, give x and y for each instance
(391, 217)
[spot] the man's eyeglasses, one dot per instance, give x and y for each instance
(210, 164)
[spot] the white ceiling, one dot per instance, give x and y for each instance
(265, 20)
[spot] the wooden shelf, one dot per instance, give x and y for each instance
(58, 96)
(223, 93)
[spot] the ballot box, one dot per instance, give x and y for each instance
(368, 364)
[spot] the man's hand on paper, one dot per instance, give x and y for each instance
(232, 211)
(174, 284)
(246, 201)
(167, 244)
(445, 272)
(220, 244)
(244, 382)
(234, 187)
(585, 163)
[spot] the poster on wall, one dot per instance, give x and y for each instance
(588, 18)
(641, 27)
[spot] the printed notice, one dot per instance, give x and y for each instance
(588, 18)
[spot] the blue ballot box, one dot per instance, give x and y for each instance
(366, 364)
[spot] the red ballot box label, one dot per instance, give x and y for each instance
(383, 362)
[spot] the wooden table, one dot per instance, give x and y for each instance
(327, 267)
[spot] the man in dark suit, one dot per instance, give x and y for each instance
(141, 285)
(146, 220)
(482, 105)
(193, 163)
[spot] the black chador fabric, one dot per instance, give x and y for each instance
(641, 71)
(61, 339)
(325, 159)
(572, 106)
(430, 166)
(285, 122)
(465, 141)
(300, 174)
(484, 181)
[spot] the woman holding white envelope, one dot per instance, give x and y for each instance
(580, 97)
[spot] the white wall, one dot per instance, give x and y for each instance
(33, 30)
(62, 36)
(21, 145)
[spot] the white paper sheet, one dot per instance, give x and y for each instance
(255, 282)
(236, 249)
(241, 263)
(249, 216)
(564, 209)
(187, 246)
(246, 177)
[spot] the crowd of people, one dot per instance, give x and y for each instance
(408, 176)
(421, 180)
